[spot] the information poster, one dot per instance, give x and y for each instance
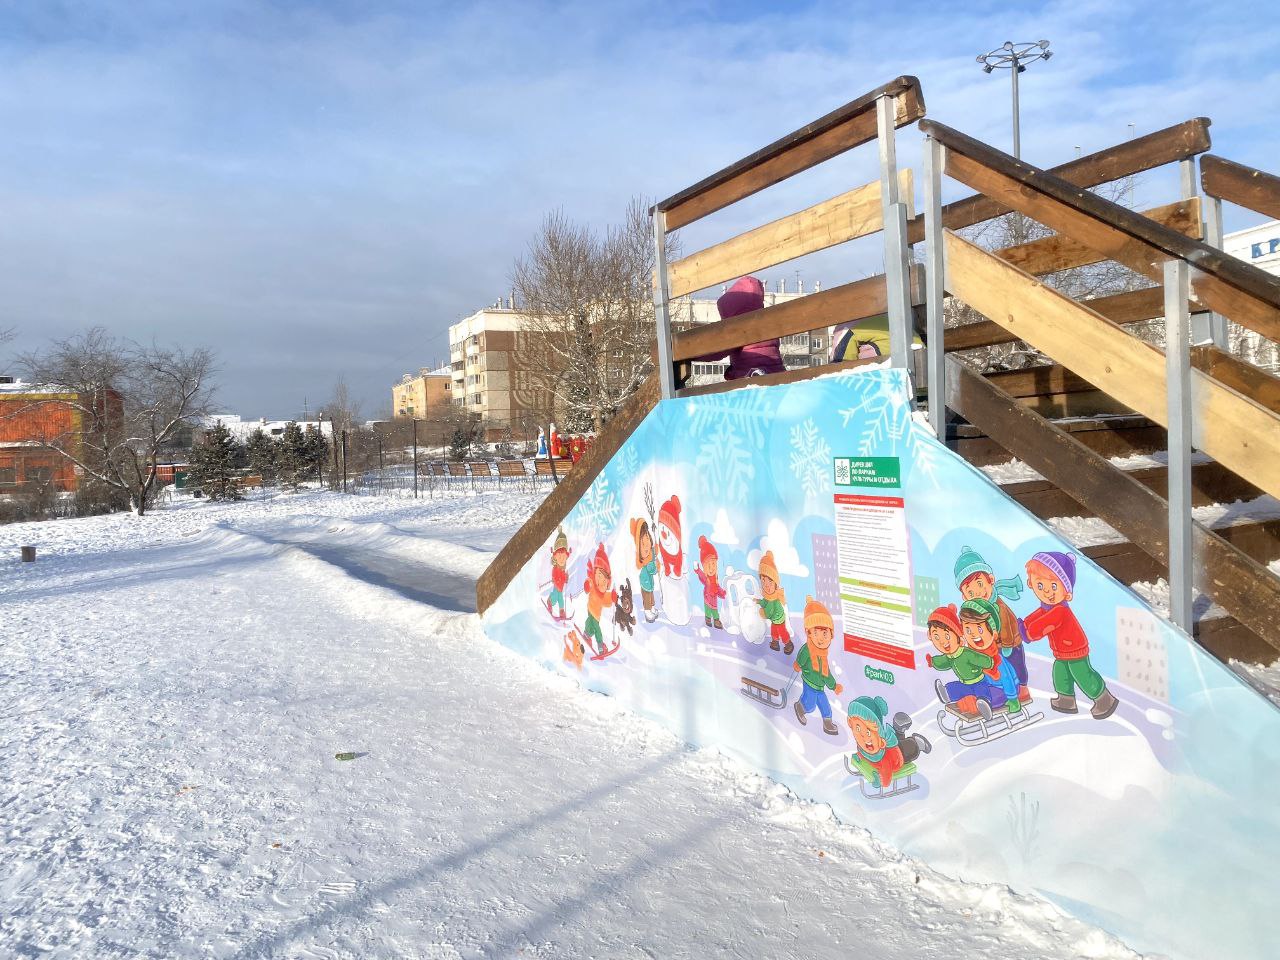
(874, 563)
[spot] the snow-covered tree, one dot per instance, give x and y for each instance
(215, 462)
(262, 450)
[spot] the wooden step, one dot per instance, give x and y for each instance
(1118, 436)
(1128, 563)
(1228, 639)
(1210, 483)
(1053, 391)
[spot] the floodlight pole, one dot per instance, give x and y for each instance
(1015, 57)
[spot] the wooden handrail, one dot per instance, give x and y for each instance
(1256, 384)
(1238, 290)
(1242, 435)
(1169, 145)
(1236, 581)
(538, 529)
(829, 136)
(854, 214)
(773, 379)
(857, 300)
(1227, 180)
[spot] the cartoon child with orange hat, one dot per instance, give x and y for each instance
(814, 666)
(712, 592)
(600, 593)
(773, 603)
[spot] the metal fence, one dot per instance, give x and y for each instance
(440, 478)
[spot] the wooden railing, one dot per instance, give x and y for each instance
(1219, 405)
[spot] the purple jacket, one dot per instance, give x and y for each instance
(755, 359)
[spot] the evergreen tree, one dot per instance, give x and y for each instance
(263, 450)
(460, 444)
(292, 456)
(317, 453)
(214, 463)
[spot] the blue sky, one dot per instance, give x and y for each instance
(320, 189)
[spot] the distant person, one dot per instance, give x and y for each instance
(862, 339)
(755, 359)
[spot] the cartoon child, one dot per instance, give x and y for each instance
(773, 603)
(559, 575)
(647, 564)
(977, 581)
(814, 665)
(882, 748)
(599, 595)
(711, 590)
(669, 537)
(981, 622)
(945, 633)
(1052, 577)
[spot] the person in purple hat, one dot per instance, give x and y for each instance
(1052, 578)
(755, 359)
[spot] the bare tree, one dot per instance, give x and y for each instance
(588, 340)
(126, 403)
(341, 409)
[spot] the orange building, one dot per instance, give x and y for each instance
(31, 418)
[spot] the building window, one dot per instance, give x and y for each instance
(8, 476)
(37, 474)
(817, 343)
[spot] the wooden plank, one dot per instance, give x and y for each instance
(1129, 563)
(1210, 483)
(1058, 252)
(1255, 189)
(773, 379)
(1232, 429)
(1236, 581)
(1254, 382)
(1228, 639)
(538, 529)
(849, 301)
(1122, 308)
(854, 214)
(1238, 290)
(1124, 436)
(829, 136)
(1047, 378)
(1133, 156)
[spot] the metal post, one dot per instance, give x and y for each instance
(415, 458)
(935, 286)
(894, 212)
(1017, 134)
(1213, 237)
(661, 308)
(1177, 337)
(1201, 322)
(344, 461)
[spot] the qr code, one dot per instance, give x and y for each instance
(842, 471)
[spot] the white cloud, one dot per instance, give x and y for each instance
(785, 555)
(722, 532)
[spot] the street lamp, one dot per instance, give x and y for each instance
(1014, 57)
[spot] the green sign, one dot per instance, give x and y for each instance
(875, 673)
(868, 472)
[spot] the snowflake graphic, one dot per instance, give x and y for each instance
(885, 415)
(596, 515)
(810, 457)
(626, 464)
(725, 466)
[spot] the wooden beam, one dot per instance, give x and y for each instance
(537, 530)
(1231, 428)
(1129, 563)
(1059, 252)
(1133, 156)
(773, 379)
(1122, 308)
(1238, 290)
(1122, 436)
(829, 136)
(1255, 189)
(856, 213)
(1253, 382)
(857, 300)
(1241, 585)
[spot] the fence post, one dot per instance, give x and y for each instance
(415, 458)
(1177, 338)
(935, 287)
(896, 252)
(661, 311)
(1213, 237)
(344, 461)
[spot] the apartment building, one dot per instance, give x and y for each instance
(421, 396)
(34, 421)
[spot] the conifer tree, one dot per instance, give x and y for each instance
(214, 464)
(263, 450)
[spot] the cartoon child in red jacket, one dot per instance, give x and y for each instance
(712, 592)
(1052, 577)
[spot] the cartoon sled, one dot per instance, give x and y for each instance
(860, 770)
(986, 726)
(763, 693)
(742, 612)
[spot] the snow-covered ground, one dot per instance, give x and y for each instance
(175, 689)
